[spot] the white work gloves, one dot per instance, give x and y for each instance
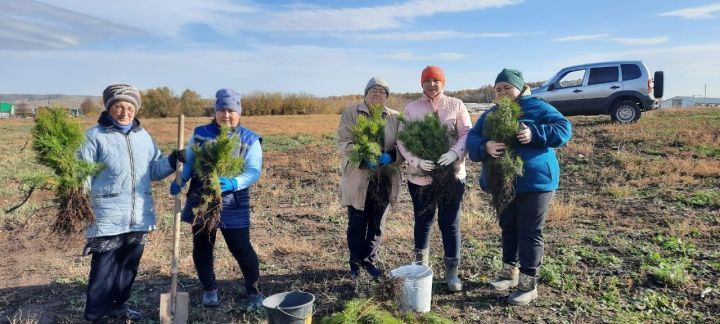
(448, 158)
(426, 165)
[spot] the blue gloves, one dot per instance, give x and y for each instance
(175, 188)
(384, 159)
(228, 184)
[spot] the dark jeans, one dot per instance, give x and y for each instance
(448, 208)
(364, 231)
(238, 242)
(112, 274)
(522, 230)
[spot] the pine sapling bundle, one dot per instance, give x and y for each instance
(56, 140)
(215, 159)
(501, 125)
(427, 139)
(367, 146)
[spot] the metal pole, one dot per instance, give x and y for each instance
(706, 94)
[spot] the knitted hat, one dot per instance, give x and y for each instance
(121, 91)
(227, 99)
(377, 82)
(511, 76)
(432, 72)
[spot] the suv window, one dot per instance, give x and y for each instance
(630, 72)
(603, 75)
(572, 79)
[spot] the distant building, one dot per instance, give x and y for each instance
(477, 108)
(688, 102)
(7, 110)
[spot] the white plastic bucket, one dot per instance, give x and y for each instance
(417, 284)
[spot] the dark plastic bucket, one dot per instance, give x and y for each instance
(292, 307)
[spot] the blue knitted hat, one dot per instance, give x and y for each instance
(227, 99)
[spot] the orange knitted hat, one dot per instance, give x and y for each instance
(432, 72)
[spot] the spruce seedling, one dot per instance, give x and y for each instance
(56, 141)
(368, 137)
(215, 159)
(501, 125)
(427, 139)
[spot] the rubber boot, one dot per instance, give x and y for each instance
(451, 275)
(526, 292)
(423, 256)
(507, 279)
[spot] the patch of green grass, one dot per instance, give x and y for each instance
(676, 245)
(672, 273)
(708, 150)
(555, 273)
(598, 258)
(655, 304)
(703, 198)
(79, 280)
(286, 143)
(361, 311)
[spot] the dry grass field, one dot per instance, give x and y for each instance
(633, 234)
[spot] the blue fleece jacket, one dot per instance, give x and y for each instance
(235, 205)
(550, 129)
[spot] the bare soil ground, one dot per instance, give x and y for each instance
(633, 234)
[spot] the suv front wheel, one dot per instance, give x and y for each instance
(625, 111)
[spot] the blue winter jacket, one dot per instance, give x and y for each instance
(120, 193)
(550, 129)
(235, 212)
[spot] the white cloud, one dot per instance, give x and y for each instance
(160, 17)
(428, 35)
(694, 13)
(620, 40)
(363, 18)
(32, 25)
(641, 40)
(408, 56)
(578, 38)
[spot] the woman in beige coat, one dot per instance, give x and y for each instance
(366, 191)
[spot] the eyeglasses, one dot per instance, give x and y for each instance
(118, 108)
(377, 90)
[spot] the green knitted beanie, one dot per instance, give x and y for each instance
(511, 76)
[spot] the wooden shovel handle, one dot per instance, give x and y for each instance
(176, 221)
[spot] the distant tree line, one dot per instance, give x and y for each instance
(161, 102)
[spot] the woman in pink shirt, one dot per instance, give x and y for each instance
(451, 112)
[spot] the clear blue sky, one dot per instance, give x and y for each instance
(333, 47)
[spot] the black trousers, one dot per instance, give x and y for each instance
(112, 274)
(365, 229)
(238, 242)
(448, 217)
(522, 225)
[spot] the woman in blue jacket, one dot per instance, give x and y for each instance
(235, 214)
(523, 220)
(121, 200)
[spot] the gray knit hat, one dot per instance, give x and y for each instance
(380, 82)
(121, 91)
(227, 99)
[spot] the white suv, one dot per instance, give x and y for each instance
(620, 89)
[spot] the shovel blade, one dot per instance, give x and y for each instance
(181, 308)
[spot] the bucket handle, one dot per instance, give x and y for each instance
(420, 263)
(297, 317)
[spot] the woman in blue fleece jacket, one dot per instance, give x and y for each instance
(523, 220)
(235, 214)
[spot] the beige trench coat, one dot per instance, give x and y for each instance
(355, 180)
